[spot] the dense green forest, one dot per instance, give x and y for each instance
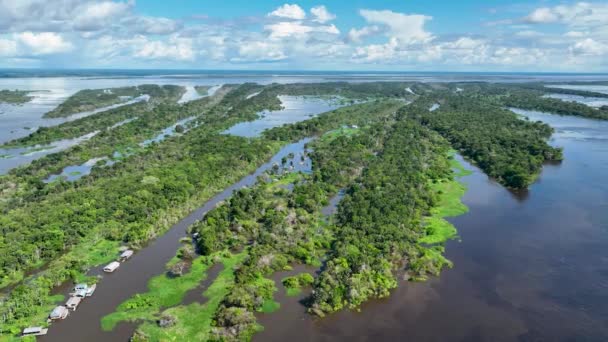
(531, 96)
(506, 147)
(130, 202)
(14, 96)
(379, 220)
(91, 99)
(391, 158)
(556, 106)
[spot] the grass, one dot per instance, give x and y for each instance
(289, 178)
(342, 131)
(438, 229)
(163, 291)
(194, 320)
(293, 291)
(269, 306)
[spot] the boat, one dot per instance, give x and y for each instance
(111, 267)
(34, 331)
(88, 290)
(73, 303)
(126, 254)
(59, 312)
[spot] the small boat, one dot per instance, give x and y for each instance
(88, 290)
(73, 303)
(111, 267)
(126, 254)
(34, 331)
(79, 293)
(59, 312)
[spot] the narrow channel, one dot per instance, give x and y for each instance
(133, 276)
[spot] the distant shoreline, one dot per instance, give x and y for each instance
(35, 72)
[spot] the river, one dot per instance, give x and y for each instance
(133, 276)
(531, 266)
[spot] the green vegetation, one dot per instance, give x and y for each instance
(392, 159)
(15, 96)
(114, 204)
(193, 322)
(164, 291)
(161, 98)
(379, 221)
(294, 284)
(91, 99)
(505, 147)
(556, 106)
(439, 230)
(531, 96)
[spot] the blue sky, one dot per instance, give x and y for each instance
(407, 35)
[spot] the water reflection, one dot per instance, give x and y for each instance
(295, 109)
(14, 157)
(595, 102)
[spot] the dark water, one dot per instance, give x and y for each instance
(531, 267)
(132, 276)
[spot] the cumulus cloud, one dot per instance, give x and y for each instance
(357, 35)
(589, 47)
(578, 14)
(94, 16)
(179, 49)
(321, 14)
(289, 11)
(151, 25)
(406, 28)
(260, 52)
(44, 43)
(286, 29)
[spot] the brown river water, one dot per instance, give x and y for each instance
(531, 266)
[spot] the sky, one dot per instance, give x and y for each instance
(357, 35)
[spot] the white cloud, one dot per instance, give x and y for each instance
(44, 43)
(8, 47)
(289, 11)
(356, 35)
(575, 34)
(589, 47)
(321, 14)
(287, 29)
(260, 52)
(578, 14)
(406, 28)
(95, 16)
(376, 52)
(151, 25)
(179, 49)
(542, 15)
